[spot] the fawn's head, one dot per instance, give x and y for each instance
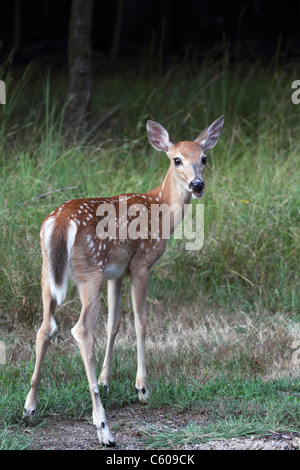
(187, 157)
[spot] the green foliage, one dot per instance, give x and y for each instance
(251, 250)
(250, 259)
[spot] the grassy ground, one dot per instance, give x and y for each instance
(221, 321)
(235, 370)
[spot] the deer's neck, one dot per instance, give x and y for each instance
(173, 194)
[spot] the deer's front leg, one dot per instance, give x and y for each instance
(138, 295)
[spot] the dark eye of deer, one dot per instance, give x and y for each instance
(203, 160)
(177, 161)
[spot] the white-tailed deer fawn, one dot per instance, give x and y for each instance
(73, 243)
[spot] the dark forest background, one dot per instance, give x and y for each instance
(82, 78)
(125, 30)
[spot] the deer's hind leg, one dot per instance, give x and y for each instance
(43, 339)
(89, 292)
(113, 325)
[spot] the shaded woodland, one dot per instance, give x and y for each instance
(127, 29)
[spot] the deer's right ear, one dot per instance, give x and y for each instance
(158, 136)
(210, 136)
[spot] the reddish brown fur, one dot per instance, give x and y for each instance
(69, 241)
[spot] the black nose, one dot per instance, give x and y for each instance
(197, 185)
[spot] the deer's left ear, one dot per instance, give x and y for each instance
(210, 136)
(158, 136)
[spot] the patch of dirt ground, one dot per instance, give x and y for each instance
(127, 425)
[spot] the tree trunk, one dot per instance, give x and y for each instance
(117, 33)
(79, 63)
(17, 24)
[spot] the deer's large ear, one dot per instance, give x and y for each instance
(158, 136)
(210, 136)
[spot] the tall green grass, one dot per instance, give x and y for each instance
(251, 252)
(248, 267)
